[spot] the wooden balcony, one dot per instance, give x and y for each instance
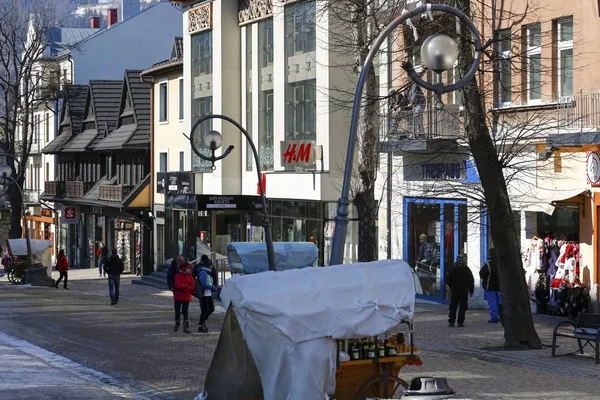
(54, 188)
(114, 192)
(77, 189)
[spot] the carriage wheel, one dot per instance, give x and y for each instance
(11, 276)
(17, 278)
(389, 387)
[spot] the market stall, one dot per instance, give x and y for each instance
(289, 334)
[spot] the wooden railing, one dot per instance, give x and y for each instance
(54, 188)
(114, 192)
(78, 189)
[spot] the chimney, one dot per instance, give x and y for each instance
(95, 22)
(111, 16)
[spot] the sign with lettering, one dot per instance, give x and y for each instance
(298, 153)
(453, 171)
(175, 182)
(207, 202)
(69, 215)
(46, 212)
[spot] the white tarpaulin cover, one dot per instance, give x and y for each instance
(288, 319)
(18, 247)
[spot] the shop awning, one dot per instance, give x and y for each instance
(542, 200)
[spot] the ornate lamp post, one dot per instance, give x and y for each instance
(213, 140)
(13, 181)
(439, 53)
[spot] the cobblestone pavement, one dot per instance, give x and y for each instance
(133, 344)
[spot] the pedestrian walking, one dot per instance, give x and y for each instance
(183, 287)
(62, 266)
(207, 306)
(114, 267)
(176, 263)
(462, 285)
(102, 259)
(491, 284)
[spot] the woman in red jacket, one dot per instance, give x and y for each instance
(62, 266)
(182, 294)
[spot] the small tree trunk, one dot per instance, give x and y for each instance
(367, 228)
(519, 331)
(16, 205)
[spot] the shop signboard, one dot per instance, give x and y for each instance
(298, 153)
(593, 168)
(46, 212)
(175, 183)
(69, 215)
(208, 202)
(432, 168)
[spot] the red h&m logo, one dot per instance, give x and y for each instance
(263, 182)
(297, 153)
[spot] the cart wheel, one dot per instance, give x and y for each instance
(17, 278)
(380, 387)
(10, 275)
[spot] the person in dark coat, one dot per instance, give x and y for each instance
(462, 285)
(173, 270)
(491, 284)
(114, 267)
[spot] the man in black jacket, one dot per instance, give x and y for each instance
(491, 285)
(114, 268)
(462, 285)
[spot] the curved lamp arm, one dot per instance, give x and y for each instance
(265, 215)
(341, 220)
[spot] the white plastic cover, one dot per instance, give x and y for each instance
(18, 247)
(289, 318)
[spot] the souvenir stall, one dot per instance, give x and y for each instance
(552, 273)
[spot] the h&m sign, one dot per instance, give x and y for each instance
(298, 153)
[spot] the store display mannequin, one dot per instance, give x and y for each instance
(533, 259)
(570, 266)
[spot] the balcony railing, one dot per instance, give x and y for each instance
(54, 188)
(427, 124)
(36, 147)
(77, 189)
(114, 192)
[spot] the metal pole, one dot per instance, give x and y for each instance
(341, 220)
(265, 215)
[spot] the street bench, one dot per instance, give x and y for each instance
(587, 327)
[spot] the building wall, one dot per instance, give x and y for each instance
(133, 44)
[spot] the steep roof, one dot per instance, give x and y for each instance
(73, 109)
(176, 59)
(75, 97)
(137, 135)
(106, 98)
(61, 39)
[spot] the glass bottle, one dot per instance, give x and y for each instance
(371, 353)
(381, 348)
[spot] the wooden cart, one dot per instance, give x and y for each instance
(375, 378)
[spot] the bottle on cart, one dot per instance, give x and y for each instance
(381, 348)
(371, 352)
(365, 349)
(355, 350)
(390, 351)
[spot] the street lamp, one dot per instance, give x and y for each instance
(13, 181)
(439, 53)
(213, 140)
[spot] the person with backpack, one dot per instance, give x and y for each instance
(491, 284)
(114, 267)
(207, 306)
(462, 285)
(183, 287)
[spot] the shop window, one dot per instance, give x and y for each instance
(534, 62)
(300, 90)
(249, 98)
(486, 233)
(265, 96)
(565, 57)
(201, 82)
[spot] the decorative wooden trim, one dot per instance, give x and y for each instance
(252, 10)
(200, 18)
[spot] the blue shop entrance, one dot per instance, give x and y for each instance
(435, 233)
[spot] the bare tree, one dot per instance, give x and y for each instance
(25, 31)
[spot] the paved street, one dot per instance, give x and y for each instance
(78, 346)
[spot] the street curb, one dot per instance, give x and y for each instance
(107, 383)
